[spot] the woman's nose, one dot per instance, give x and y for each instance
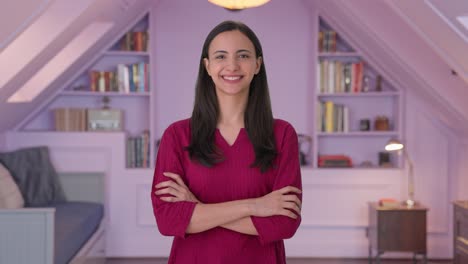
(232, 63)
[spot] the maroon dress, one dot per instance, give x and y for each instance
(232, 179)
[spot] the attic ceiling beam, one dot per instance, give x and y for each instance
(42, 32)
(60, 62)
(436, 26)
(15, 20)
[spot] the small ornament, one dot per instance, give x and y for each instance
(365, 87)
(105, 102)
(378, 84)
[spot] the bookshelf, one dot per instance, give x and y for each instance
(121, 75)
(356, 109)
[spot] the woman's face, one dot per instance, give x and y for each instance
(232, 63)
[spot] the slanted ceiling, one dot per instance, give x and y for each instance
(119, 13)
(413, 42)
(15, 20)
(395, 43)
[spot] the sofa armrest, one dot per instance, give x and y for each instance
(27, 235)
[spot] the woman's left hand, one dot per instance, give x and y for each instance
(176, 188)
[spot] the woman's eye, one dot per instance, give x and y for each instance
(244, 56)
(219, 57)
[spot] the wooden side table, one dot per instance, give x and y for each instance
(460, 232)
(399, 228)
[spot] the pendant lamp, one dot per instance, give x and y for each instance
(238, 4)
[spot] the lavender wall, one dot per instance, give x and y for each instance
(335, 201)
(181, 27)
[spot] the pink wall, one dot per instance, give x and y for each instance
(181, 27)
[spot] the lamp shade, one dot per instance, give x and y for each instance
(394, 145)
(238, 4)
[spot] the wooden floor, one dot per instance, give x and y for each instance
(290, 261)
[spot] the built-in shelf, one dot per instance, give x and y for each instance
(88, 93)
(358, 134)
(360, 94)
(338, 54)
(125, 53)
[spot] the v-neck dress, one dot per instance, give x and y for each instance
(232, 179)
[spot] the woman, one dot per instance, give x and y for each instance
(227, 181)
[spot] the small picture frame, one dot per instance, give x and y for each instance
(364, 125)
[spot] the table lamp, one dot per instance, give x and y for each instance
(396, 145)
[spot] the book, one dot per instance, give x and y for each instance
(388, 202)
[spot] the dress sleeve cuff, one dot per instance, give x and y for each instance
(186, 215)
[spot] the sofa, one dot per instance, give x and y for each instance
(38, 222)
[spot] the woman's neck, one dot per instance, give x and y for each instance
(231, 112)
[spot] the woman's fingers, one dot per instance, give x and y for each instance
(167, 190)
(169, 199)
(292, 206)
(289, 189)
(176, 188)
(288, 213)
(292, 198)
(166, 184)
(175, 177)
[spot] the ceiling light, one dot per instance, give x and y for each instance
(238, 4)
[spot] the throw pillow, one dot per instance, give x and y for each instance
(35, 175)
(10, 196)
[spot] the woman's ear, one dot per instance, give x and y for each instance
(207, 64)
(259, 64)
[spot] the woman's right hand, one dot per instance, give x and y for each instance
(280, 202)
(175, 188)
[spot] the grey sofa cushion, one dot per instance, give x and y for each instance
(35, 175)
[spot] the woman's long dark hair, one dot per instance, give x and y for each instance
(258, 116)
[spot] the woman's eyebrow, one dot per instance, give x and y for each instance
(220, 51)
(225, 52)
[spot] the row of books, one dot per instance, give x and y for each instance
(341, 77)
(327, 41)
(138, 151)
(127, 79)
(134, 41)
(332, 117)
(70, 119)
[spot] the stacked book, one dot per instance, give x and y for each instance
(332, 117)
(134, 41)
(388, 203)
(327, 41)
(138, 151)
(70, 119)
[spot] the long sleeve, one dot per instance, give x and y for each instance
(172, 218)
(275, 228)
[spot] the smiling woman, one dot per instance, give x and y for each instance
(231, 172)
(232, 63)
